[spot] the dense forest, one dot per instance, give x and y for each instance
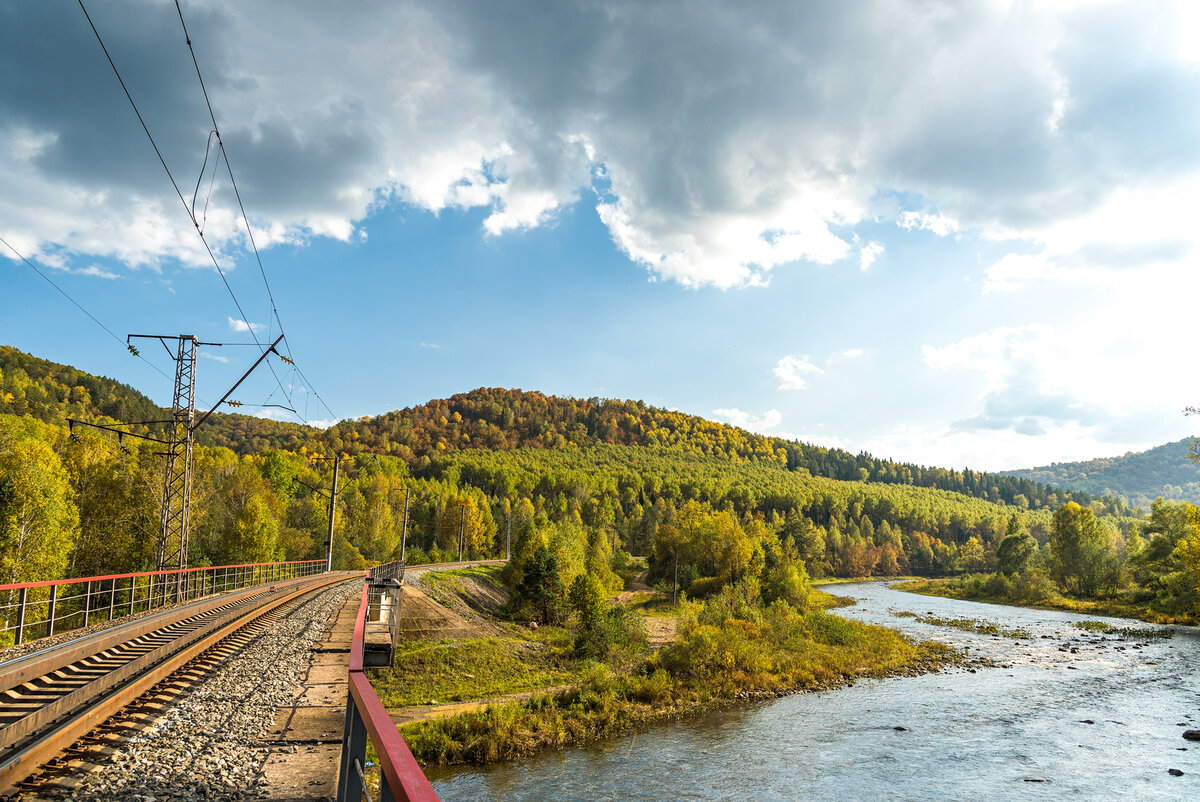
(1166, 471)
(500, 419)
(584, 483)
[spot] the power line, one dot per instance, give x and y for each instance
(175, 184)
(312, 389)
(241, 207)
(228, 167)
(63, 292)
(79, 306)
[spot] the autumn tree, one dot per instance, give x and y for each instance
(37, 539)
(542, 585)
(1083, 557)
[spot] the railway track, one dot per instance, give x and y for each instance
(50, 699)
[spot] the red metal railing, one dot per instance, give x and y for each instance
(367, 719)
(43, 608)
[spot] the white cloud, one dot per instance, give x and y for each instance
(1080, 387)
(844, 355)
(924, 221)
(729, 147)
(243, 325)
(794, 372)
(760, 423)
(867, 255)
(1133, 229)
(95, 271)
(989, 450)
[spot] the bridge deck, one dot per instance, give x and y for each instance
(306, 740)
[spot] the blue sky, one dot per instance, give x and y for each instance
(957, 234)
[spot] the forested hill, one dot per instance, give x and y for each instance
(501, 419)
(53, 393)
(1138, 478)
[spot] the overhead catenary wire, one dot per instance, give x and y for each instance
(228, 167)
(238, 194)
(80, 307)
(63, 292)
(175, 184)
(241, 206)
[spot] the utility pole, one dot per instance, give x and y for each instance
(462, 525)
(404, 528)
(675, 581)
(508, 536)
(172, 549)
(337, 458)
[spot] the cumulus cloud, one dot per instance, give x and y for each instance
(1066, 385)
(867, 255)
(925, 221)
(794, 372)
(243, 325)
(731, 142)
(745, 420)
(1134, 228)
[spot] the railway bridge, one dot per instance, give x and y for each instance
(224, 682)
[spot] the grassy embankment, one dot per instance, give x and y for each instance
(975, 587)
(476, 668)
(770, 651)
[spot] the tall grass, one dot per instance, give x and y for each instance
(783, 650)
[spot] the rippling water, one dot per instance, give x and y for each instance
(1011, 732)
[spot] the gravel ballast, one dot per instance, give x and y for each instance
(207, 746)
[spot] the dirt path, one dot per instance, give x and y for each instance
(639, 586)
(660, 631)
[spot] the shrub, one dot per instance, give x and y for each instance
(997, 586)
(705, 586)
(739, 600)
(619, 633)
(830, 629)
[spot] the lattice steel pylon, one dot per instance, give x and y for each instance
(172, 552)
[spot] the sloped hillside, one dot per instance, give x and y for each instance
(1138, 478)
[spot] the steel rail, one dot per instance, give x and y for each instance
(67, 718)
(36, 664)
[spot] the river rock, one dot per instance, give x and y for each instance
(1192, 735)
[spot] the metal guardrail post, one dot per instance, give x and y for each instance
(53, 604)
(21, 615)
(354, 747)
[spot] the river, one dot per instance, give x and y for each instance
(1065, 714)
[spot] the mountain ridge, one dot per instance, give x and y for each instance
(508, 419)
(1166, 471)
